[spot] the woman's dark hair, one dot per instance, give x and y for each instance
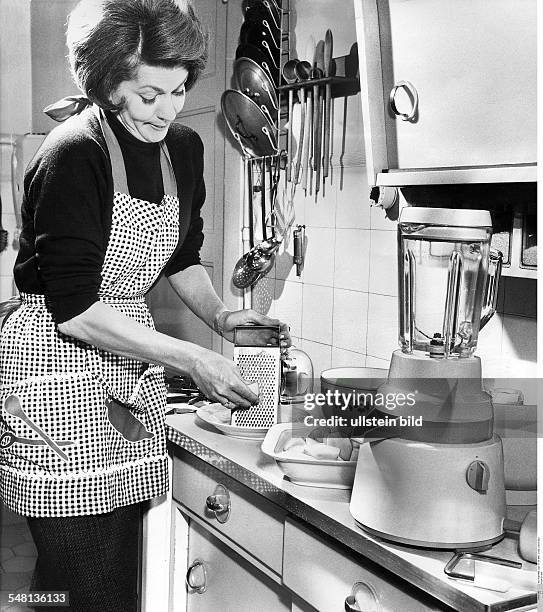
(108, 39)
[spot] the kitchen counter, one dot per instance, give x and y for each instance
(327, 510)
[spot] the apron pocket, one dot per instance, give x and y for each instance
(125, 422)
(72, 411)
(68, 409)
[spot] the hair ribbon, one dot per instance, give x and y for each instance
(67, 107)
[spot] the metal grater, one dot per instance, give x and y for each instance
(260, 362)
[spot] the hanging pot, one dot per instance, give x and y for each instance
(263, 9)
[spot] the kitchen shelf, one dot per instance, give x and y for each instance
(514, 173)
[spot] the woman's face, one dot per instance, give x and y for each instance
(152, 100)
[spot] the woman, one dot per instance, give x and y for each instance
(112, 201)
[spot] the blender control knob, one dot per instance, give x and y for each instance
(478, 475)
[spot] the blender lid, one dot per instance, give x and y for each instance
(452, 217)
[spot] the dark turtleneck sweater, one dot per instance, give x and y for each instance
(68, 203)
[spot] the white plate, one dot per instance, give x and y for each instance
(211, 414)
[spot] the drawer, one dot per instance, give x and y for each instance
(254, 523)
(231, 582)
(323, 575)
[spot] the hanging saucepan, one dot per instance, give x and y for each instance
(248, 124)
(262, 58)
(260, 36)
(255, 83)
(263, 13)
(263, 8)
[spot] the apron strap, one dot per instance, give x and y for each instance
(168, 176)
(120, 182)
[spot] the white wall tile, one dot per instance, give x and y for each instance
(353, 200)
(288, 305)
(344, 359)
(284, 266)
(317, 313)
(350, 320)
(263, 293)
(489, 342)
(320, 354)
(319, 258)
(383, 273)
(320, 211)
(382, 325)
(352, 259)
(376, 362)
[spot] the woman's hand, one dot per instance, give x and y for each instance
(231, 319)
(219, 380)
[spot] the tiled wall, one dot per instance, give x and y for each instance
(343, 309)
(7, 257)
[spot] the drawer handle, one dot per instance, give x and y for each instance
(363, 598)
(219, 503)
(196, 578)
(412, 94)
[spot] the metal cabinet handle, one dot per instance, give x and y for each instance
(363, 598)
(219, 503)
(196, 578)
(410, 88)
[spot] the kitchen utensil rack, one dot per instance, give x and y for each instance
(341, 85)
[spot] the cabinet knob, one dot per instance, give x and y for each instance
(219, 503)
(196, 578)
(363, 598)
(409, 88)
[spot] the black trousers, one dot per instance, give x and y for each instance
(94, 558)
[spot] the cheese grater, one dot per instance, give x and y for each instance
(259, 361)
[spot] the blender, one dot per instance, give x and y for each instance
(433, 476)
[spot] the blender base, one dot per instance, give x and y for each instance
(471, 546)
(423, 494)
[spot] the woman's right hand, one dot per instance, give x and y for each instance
(220, 381)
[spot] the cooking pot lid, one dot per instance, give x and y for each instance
(248, 124)
(255, 83)
(261, 57)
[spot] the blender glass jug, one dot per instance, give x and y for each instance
(448, 279)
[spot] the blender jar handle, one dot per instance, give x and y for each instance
(491, 293)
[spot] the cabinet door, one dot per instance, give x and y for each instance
(473, 65)
(232, 584)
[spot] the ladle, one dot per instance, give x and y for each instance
(12, 406)
(289, 74)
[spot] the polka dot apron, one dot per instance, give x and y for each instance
(82, 429)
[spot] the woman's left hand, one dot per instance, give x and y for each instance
(247, 317)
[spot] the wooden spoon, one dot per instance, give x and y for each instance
(12, 406)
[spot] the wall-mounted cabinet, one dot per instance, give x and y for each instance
(448, 90)
(34, 70)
